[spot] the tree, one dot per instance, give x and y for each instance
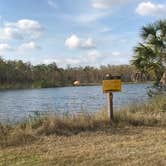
(150, 55)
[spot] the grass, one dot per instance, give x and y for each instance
(136, 137)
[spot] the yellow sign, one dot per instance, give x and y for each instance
(112, 84)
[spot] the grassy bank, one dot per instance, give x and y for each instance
(136, 137)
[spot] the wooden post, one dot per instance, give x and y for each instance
(110, 106)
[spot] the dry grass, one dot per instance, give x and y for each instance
(128, 146)
(137, 137)
(152, 113)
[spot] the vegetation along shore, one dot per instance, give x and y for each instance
(18, 75)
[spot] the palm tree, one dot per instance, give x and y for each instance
(150, 55)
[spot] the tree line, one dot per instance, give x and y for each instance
(17, 74)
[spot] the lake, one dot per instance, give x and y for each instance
(18, 104)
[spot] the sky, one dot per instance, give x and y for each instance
(74, 32)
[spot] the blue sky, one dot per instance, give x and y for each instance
(74, 32)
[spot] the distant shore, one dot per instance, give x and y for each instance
(18, 86)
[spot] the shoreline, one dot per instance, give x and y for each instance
(82, 85)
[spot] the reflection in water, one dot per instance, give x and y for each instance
(18, 104)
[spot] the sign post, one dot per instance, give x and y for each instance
(111, 84)
(110, 105)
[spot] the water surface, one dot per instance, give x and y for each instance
(18, 104)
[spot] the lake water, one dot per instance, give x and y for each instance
(18, 104)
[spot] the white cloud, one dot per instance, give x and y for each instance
(106, 4)
(74, 42)
(93, 56)
(23, 48)
(28, 46)
(88, 43)
(29, 25)
(9, 33)
(22, 29)
(5, 47)
(63, 62)
(52, 3)
(151, 9)
(91, 17)
(116, 53)
(85, 18)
